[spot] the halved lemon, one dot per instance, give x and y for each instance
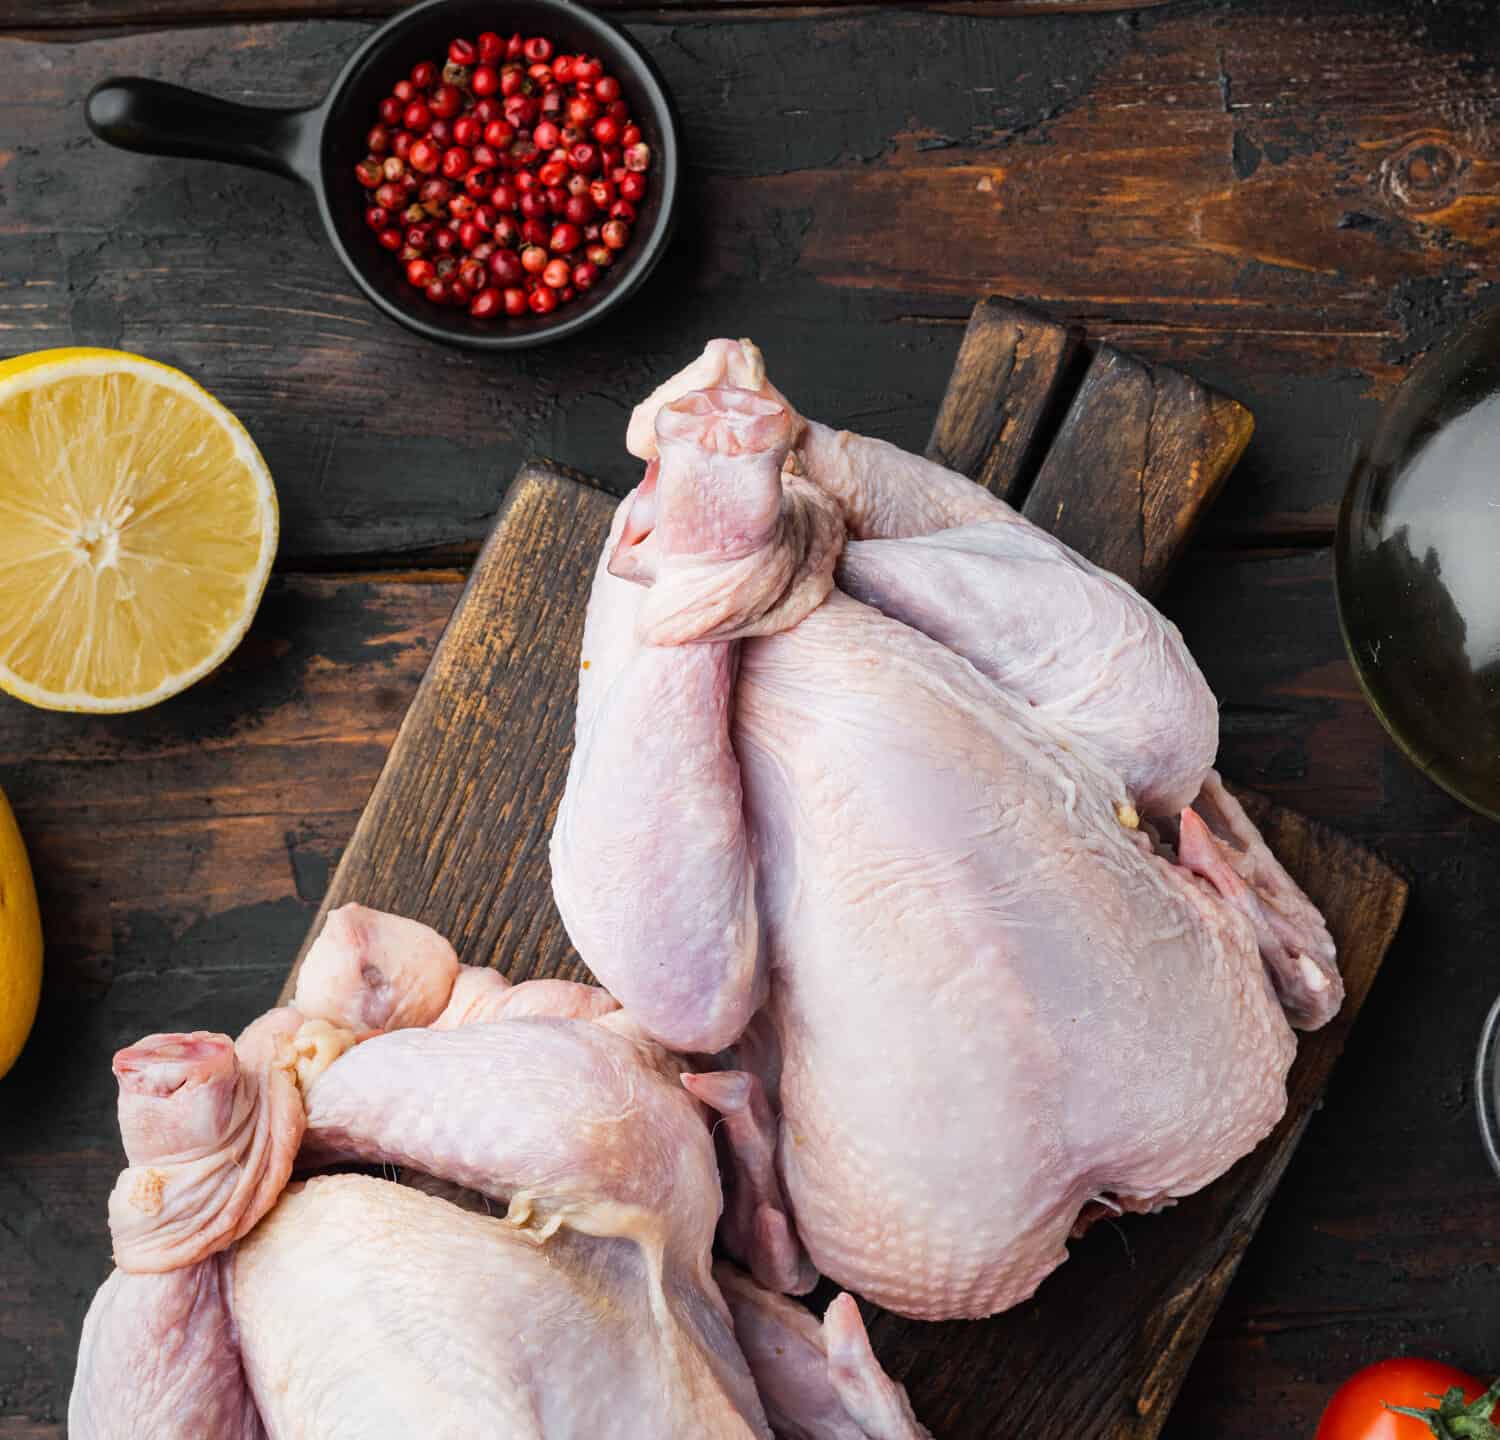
(137, 528)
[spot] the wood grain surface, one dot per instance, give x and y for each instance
(455, 833)
(1287, 201)
(68, 14)
(1116, 456)
(1140, 454)
(1005, 397)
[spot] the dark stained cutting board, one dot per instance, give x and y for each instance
(1118, 457)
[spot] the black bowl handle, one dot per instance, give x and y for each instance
(161, 119)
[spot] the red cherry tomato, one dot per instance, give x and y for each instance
(1358, 1409)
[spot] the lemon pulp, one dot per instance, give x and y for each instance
(137, 527)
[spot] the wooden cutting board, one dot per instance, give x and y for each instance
(1118, 457)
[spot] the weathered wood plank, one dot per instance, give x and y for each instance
(1007, 384)
(1134, 462)
(40, 16)
(180, 922)
(1173, 183)
(455, 832)
(1140, 455)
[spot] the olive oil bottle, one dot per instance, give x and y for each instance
(1418, 565)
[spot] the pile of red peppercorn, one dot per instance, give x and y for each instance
(506, 179)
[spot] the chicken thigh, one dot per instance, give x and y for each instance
(582, 1303)
(924, 825)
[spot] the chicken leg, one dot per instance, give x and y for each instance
(818, 1382)
(210, 1145)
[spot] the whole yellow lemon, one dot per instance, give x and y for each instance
(20, 941)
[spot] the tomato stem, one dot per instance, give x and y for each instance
(1454, 1420)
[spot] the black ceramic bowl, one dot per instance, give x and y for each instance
(321, 146)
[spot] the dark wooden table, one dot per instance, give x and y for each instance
(1290, 200)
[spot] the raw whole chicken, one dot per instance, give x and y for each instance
(346, 1305)
(885, 788)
